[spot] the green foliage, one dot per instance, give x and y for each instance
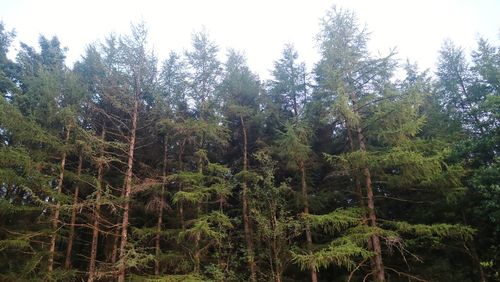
(18, 243)
(170, 278)
(343, 255)
(292, 145)
(146, 233)
(441, 231)
(349, 246)
(136, 257)
(342, 110)
(209, 226)
(289, 86)
(195, 197)
(209, 132)
(176, 262)
(9, 209)
(335, 221)
(23, 129)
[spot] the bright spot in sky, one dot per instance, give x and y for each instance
(260, 27)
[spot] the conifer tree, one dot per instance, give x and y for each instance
(240, 91)
(291, 91)
(275, 224)
(140, 74)
(113, 170)
(381, 122)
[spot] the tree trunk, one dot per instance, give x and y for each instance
(55, 216)
(357, 183)
(470, 248)
(197, 238)
(128, 188)
(161, 208)
(274, 246)
(377, 263)
(359, 192)
(97, 208)
(476, 261)
(71, 237)
(246, 217)
(314, 275)
(116, 242)
(181, 167)
(197, 253)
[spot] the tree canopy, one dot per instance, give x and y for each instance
(365, 168)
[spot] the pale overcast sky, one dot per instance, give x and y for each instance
(258, 27)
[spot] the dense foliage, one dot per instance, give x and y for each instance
(192, 169)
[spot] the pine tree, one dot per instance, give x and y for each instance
(467, 90)
(347, 71)
(291, 91)
(275, 225)
(140, 67)
(381, 122)
(7, 67)
(112, 169)
(240, 91)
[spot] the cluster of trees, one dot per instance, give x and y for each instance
(199, 171)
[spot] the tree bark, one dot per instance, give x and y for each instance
(197, 238)
(181, 167)
(97, 208)
(377, 263)
(470, 248)
(57, 209)
(314, 275)
(359, 192)
(197, 253)
(274, 245)
(116, 241)
(476, 261)
(71, 237)
(128, 187)
(357, 186)
(161, 208)
(246, 217)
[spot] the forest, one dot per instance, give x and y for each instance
(125, 167)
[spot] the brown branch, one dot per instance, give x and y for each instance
(355, 269)
(406, 274)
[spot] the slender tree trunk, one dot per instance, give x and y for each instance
(197, 253)
(357, 183)
(128, 188)
(197, 238)
(71, 237)
(295, 108)
(246, 216)
(468, 109)
(274, 246)
(476, 261)
(57, 209)
(470, 247)
(116, 242)
(181, 167)
(377, 263)
(161, 208)
(314, 275)
(97, 208)
(359, 192)
(278, 273)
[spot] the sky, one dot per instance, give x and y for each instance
(260, 28)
